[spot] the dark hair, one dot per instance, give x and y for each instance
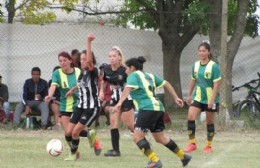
(93, 56)
(102, 66)
(207, 46)
(64, 54)
(36, 69)
(136, 62)
(56, 67)
(75, 51)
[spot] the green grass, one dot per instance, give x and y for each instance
(23, 148)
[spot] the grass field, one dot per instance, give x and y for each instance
(27, 149)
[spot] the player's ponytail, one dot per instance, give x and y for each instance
(136, 62)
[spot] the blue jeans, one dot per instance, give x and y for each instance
(6, 107)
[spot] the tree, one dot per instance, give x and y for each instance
(35, 11)
(178, 21)
(242, 21)
(1, 14)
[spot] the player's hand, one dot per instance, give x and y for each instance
(188, 100)
(91, 37)
(117, 107)
(101, 96)
(47, 99)
(179, 102)
(69, 93)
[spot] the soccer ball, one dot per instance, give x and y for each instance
(54, 147)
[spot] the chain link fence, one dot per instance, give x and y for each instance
(25, 46)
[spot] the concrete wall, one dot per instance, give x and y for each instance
(23, 46)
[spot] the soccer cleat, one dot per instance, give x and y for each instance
(92, 138)
(72, 157)
(186, 160)
(112, 153)
(207, 149)
(190, 148)
(97, 147)
(152, 164)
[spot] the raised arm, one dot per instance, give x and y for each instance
(90, 63)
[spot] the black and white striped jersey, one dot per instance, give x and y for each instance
(117, 81)
(88, 89)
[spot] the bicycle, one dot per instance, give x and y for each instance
(251, 105)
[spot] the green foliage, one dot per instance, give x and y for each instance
(142, 20)
(252, 19)
(1, 14)
(197, 11)
(40, 18)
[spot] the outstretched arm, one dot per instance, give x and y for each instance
(175, 97)
(90, 38)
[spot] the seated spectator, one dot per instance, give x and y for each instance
(34, 90)
(107, 92)
(75, 58)
(2, 113)
(54, 104)
(5, 96)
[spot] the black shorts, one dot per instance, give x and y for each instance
(64, 113)
(126, 105)
(204, 107)
(84, 116)
(150, 120)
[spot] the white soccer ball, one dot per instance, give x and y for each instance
(54, 147)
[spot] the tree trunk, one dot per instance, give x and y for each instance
(11, 11)
(171, 71)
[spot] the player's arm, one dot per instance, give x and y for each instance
(173, 93)
(50, 93)
(123, 97)
(190, 90)
(103, 85)
(71, 91)
(89, 52)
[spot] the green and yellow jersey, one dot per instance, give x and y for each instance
(143, 90)
(65, 82)
(205, 76)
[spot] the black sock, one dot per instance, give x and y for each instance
(115, 139)
(68, 140)
(83, 133)
(74, 145)
(191, 130)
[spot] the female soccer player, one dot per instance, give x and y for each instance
(204, 86)
(65, 78)
(115, 75)
(141, 86)
(88, 102)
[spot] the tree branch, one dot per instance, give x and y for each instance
(95, 12)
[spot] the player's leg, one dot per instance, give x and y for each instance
(142, 126)
(128, 114)
(172, 146)
(114, 117)
(193, 112)
(210, 116)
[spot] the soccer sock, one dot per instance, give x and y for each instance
(83, 133)
(68, 140)
(210, 134)
(144, 146)
(191, 131)
(174, 148)
(74, 145)
(115, 139)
